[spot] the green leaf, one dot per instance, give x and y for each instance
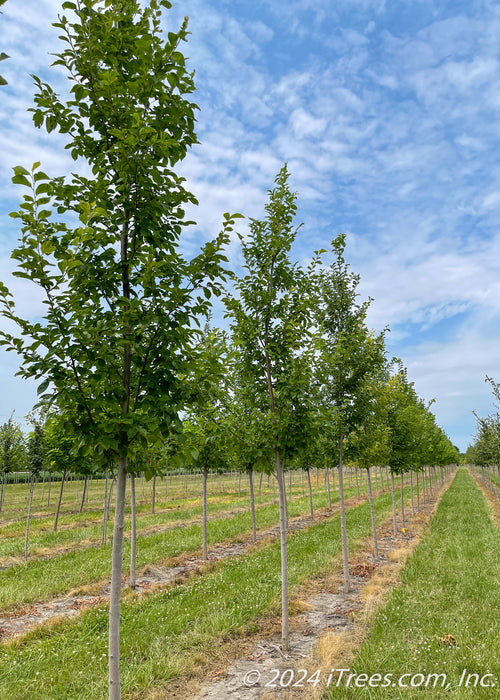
(19, 170)
(43, 387)
(21, 180)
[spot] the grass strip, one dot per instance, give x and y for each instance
(40, 579)
(91, 528)
(172, 631)
(445, 617)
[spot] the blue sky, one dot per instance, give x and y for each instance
(388, 115)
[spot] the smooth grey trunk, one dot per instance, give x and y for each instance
(28, 516)
(84, 493)
(394, 524)
(357, 482)
(411, 491)
(153, 502)
(418, 493)
(205, 511)
(310, 494)
(113, 482)
(327, 477)
(56, 519)
(252, 505)
(372, 512)
(4, 478)
(48, 497)
(285, 637)
(105, 511)
(402, 499)
(133, 532)
(260, 483)
(343, 526)
(116, 583)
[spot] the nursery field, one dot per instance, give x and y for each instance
(188, 619)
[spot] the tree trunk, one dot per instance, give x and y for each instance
(418, 493)
(205, 516)
(372, 512)
(4, 478)
(284, 563)
(85, 484)
(153, 502)
(357, 482)
(56, 519)
(411, 491)
(260, 483)
(28, 516)
(327, 478)
(343, 526)
(110, 496)
(105, 511)
(48, 496)
(133, 532)
(402, 499)
(252, 505)
(394, 524)
(310, 494)
(116, 583)
(239, 484)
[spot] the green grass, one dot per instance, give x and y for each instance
(450, 586)
(41, 579)
(87, 527)
(169, 632)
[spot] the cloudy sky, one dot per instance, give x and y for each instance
(388, 114)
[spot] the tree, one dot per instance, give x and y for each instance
(122, 299)
(270, 320)
(368, 443)
(36, 462)
(60, 452)
(12, 451)
(348, 355)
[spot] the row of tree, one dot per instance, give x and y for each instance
(119, 353)
(485, 449)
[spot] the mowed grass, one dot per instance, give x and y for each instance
(84, 529)
(173, 631)
(40, 579)
(445, 617)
